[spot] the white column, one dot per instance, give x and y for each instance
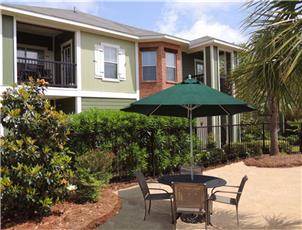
(137, 70)
(215, 119)
(236, 118)
(78, 60)
(15, 50)
(78, 104)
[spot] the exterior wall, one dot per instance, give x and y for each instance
(89, 82)
(150, 87)
(104, 103)
(8, 49)
(188, 66)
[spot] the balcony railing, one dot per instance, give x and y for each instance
(57, 74)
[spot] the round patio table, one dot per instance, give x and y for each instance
(208, 181)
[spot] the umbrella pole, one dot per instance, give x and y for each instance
(191, 142)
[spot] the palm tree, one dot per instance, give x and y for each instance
(270, 70)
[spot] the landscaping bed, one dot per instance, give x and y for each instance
(278, 161)
(68, 215)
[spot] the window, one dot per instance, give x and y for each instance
(149, 65)
(171, 66)
(199, 70)
(110, 62)
(29, 54)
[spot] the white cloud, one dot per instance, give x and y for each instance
(194, 20)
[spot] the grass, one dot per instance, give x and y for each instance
(278, 161)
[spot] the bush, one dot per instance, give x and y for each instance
(243, 150)
(213, 156)
(133, 138)
(92, 170)
(35, 164)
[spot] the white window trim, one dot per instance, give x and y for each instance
(197, 60)
(174, 67)
(40, 48)
(155, 51)
(103, 45)
(69, 42)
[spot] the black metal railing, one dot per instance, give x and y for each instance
(57, 74)
(251, 134)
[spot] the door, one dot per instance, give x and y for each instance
(66, 63)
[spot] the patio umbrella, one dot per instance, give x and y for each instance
(189, 99)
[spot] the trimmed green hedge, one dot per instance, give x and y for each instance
(133, 138)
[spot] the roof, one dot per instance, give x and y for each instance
(78, 16)
(99, 22)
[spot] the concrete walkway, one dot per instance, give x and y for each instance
(272, 199)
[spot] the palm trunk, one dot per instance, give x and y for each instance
(274, 124)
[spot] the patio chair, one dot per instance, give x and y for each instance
(190, 198)
(229, 200)
(197, 170)
(152, 196)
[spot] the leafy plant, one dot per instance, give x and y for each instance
(137, 141)
(92, 169)
(35, 164)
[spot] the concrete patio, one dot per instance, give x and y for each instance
(272, 199)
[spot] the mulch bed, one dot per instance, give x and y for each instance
(278, 161)
(74, 216)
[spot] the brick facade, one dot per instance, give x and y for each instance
(150, 87)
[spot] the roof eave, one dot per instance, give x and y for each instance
(215, 42)
(68, 22)
(165, 37)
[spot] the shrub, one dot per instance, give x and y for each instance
(35, 164)
(243, 150)
(133, 138)
(213, 156)
(92, 170)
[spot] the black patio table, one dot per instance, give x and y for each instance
(208, 181)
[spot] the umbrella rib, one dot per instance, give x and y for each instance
(157, 107)
(224, 109)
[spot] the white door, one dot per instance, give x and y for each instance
(66, 66)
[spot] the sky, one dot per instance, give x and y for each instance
(186, 19)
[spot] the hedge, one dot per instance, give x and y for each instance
(135, 140)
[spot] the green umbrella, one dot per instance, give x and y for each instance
(189, 99)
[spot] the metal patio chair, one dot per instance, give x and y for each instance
(190, 198)
(197, 170)
(230, 200)
(152, 196)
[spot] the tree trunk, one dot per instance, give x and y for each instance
(274, 125)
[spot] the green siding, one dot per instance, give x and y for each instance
(105, 103)
(8, 49)
(89, 82)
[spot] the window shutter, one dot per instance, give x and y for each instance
(122, 65)
(99, 61)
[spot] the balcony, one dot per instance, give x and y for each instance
(57, 74)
